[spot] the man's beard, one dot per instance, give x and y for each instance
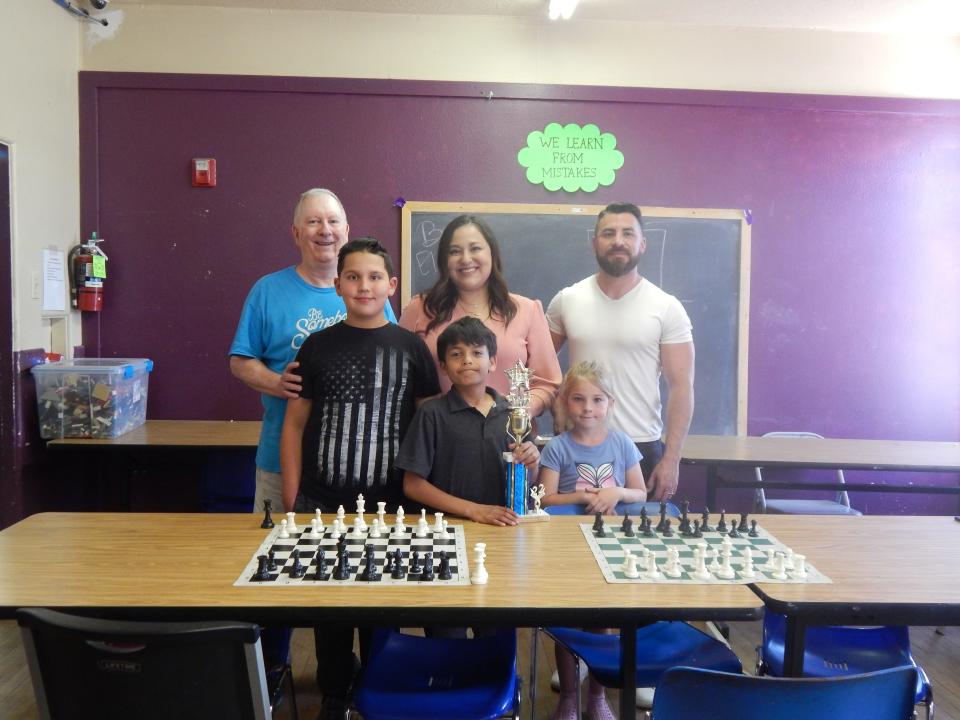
(617, 267)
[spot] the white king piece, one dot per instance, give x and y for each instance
(518, 425)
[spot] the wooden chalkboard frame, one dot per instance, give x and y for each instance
(480, 208)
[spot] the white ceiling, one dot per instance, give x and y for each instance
(941, 17)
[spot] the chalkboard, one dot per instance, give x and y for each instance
(700, 256)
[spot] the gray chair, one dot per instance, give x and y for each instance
(85, 667)
(840, 505)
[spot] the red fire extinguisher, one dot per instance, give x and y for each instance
(88, 268)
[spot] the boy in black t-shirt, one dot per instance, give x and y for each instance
(361, 381)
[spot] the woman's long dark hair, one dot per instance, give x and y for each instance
(439, 301)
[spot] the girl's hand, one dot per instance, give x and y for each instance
(526, 453)
(603, 500)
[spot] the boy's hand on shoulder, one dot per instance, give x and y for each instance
(603, 500)
(290, 382)
(494, 515)
(526, 453)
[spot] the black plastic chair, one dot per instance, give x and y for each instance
(85, 667)
(685, 693)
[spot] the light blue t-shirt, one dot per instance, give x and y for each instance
(590, 466)
(280, 312)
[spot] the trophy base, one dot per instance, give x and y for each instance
(534, 517)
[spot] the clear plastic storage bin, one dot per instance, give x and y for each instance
(91, 397)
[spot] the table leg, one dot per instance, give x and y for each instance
(793, 648)
(713, 476)
(628, 671)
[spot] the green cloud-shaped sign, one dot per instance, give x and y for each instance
(570, 157)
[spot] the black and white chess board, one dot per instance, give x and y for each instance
(610, 552)
(358, 546)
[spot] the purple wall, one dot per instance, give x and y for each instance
(855, 312)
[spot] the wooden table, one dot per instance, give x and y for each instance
(183, 566)
(716, 451)
(886, 570)
(177, 434)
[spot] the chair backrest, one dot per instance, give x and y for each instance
(85, 667)
(685, 693)
(760, 500)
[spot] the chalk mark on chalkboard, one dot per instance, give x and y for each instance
(662, 233)
(430, 233)
(426, 263)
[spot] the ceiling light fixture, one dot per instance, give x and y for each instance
(562, 9)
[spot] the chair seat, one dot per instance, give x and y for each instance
(809, 507)
(410, 677)
(660, 646)
(836, 651)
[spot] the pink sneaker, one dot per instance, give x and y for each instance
(566, 709)
(598, 709)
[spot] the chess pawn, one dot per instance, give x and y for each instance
(726, 570)
(314, 532)
(779, 572)
(283, 533)
(319, 519)
(799, 566)
(341, 513)
(359, 526)
(747, 570)
(375, 528)
(399, 528)
(700, 571)
(653, 572)
(479, 575)
(672, 568)
(788, 559)
(335, 532)
(630, 565)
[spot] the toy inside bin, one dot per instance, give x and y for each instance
(91, 397)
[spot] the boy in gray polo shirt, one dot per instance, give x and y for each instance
(452, 454)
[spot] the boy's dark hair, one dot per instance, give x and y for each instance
(367, 245)
(469, 331)
(619, 208)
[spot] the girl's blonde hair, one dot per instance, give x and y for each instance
(590, 371)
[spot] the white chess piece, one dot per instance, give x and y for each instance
(341, 514)
(747, 570)
(779, 572)
(653, 572)
(361, 504)
(799, 566)
(726, 570)
(444, 533)
(399, 528)
(381, 514)
(375, 528)
(319, 519)
(283, 532)
(438, 522)
(314, 531)
(423, 529)
(629, 566)
(359, 527)
(771, 562)
(714, 556)
(335, 532)
(291, 522)
(700, 571)
(479, 575)
(400, 512)
(672, 568)
(788, 559)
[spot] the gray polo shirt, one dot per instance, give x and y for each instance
(458, 449)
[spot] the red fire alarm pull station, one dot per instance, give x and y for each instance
(204, 172)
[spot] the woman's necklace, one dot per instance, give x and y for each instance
(478, 310)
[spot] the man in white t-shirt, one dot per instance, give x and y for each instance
(636, 330)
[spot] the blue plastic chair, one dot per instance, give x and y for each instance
(409, 677)
(660, 646)
(632, 509)
(686, 693)
(837, 651)
(840, 505)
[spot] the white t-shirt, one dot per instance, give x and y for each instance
(624, 336)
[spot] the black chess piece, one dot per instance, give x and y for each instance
(685, 518)
(272, 560)
(342, 571)
(445, 573)
(697, 531)
(298, 570)
(743, 527)
(427, 573)
(722, 525)
(753, 529)
(388, 564)
(321, 564)
(262, 572)
(415, 567)
(267, 520)
(666, 532)
(397, 573)
(734, 531)
(627, 527)
(647, 529)
(643, 515)
(597, 522)
(705, 520)
(663, 516)
(370, 572)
